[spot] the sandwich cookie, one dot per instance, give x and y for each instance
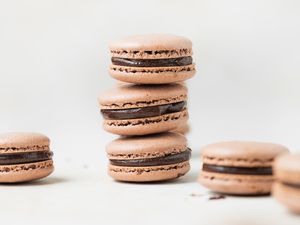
(239, 167)
(149, 158)
(144, 109)
(152, 59)
(24, 157)
(286, 189)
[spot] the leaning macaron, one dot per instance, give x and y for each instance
(286, 189)
(24, 157)
(152, 59)
(144, 109)
(239, 167)
(156, 157)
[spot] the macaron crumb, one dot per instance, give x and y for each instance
(216, 197)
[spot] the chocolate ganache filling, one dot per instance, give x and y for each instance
(237, 170)
(158, 161)
(291, 185)
(143, 112)
(181, 61)
(24, 157)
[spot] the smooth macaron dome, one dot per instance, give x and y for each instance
(24, 157)
(144, 109)
(239, 167)
(148, 158)
(152, 59)
(286, 189)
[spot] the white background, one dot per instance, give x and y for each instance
(53, 64)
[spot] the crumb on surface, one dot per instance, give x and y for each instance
(216, 197)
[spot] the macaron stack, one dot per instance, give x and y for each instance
(149, 101)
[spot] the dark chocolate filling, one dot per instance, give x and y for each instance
(291, 185)
(143, 112)
(158, 161)
(182, 61)
(24, 157)
(237, 170)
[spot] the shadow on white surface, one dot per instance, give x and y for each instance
(46, 181)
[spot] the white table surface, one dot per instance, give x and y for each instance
(80, 192)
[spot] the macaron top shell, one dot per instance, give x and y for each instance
(12, 142)
(150, 45)
(133, 96)
(146, 146)
(242, 153)
(287, 168)
(151, 42)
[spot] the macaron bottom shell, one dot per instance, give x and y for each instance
(152, 75)
(148, 174)
(143, 126)
(288, 196)
(235, 184)
(25, 172)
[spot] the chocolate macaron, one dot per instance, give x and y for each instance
(24, 157)
(144, 109)
(239, 167)
(152, 59)
(148, 158)
(286, 189)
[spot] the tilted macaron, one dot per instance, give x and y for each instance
(239, 167)
(24, 157)
(152, 59)
(154, 157)
(144, 109)
(286, 189)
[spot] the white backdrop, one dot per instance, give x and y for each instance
(54, 59)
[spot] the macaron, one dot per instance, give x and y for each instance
(286, 189)
(144, 109)
(149, 158)
(24, 157)
(152, 59)
(239, 167)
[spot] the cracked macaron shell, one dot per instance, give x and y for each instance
(242, 153)
(133, 96)
(151, 146)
